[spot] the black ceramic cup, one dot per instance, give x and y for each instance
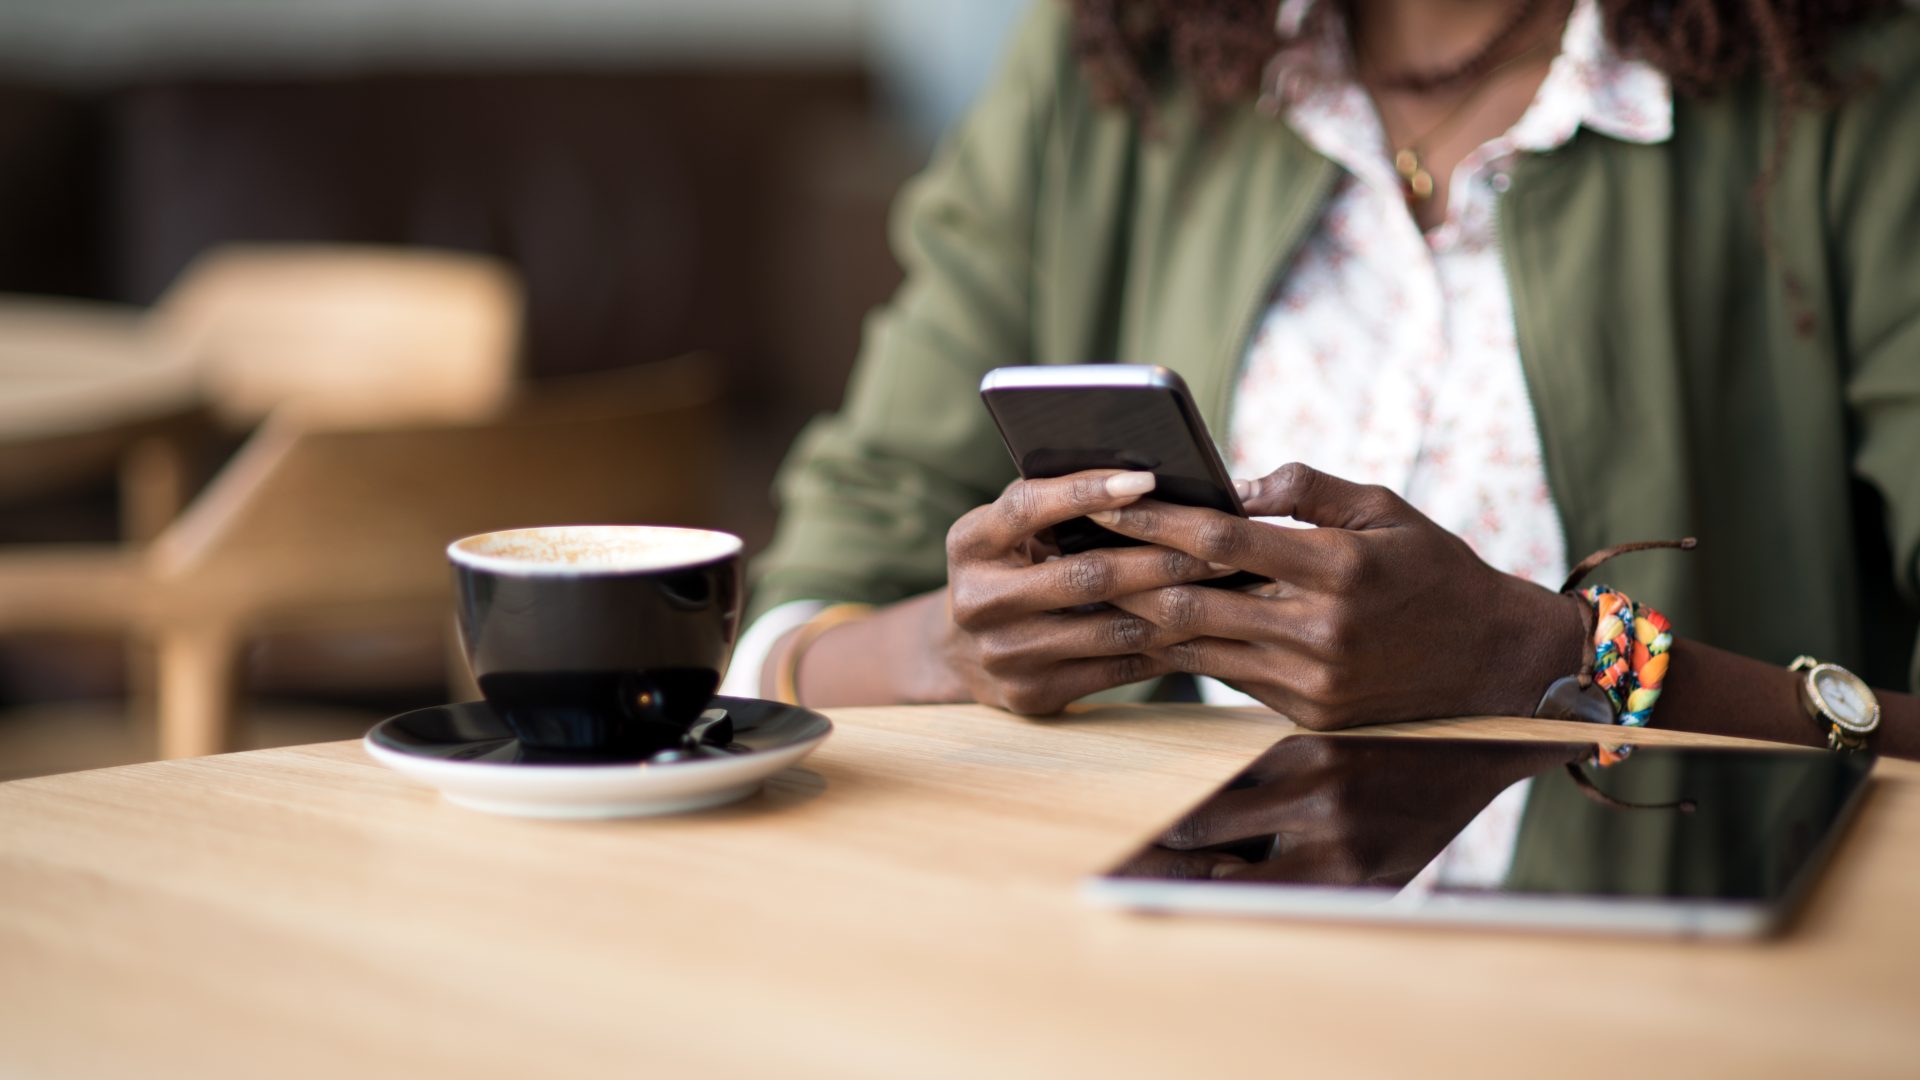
(598, 639)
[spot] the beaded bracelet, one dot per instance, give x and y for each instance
(1634, 668)
(1631, 644)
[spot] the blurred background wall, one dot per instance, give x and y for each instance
(664, 176)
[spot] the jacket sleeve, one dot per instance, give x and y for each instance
(1873, 199)
(867, 495)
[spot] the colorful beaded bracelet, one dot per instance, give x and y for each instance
(1631, 644)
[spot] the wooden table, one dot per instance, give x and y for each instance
(904, 905)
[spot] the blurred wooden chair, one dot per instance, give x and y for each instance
(343, 335)
(84, 396)
(314, 526)
(329, 336)
(348, 336)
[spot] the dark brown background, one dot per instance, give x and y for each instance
(740, 212)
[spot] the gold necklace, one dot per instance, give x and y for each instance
(1415, 181)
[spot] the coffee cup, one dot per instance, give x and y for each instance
(598, 639)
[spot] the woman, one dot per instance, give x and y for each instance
(1475, 287)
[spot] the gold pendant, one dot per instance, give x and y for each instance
(1417, 180)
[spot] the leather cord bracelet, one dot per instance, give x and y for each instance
(1580, 696)
(786, 679)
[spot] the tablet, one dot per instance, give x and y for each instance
(1709, 842)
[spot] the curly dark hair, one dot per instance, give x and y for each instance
(1223, 46)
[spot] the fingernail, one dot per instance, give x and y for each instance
(1219, 567)
(1129, 483)
(1105, 517)
(1243, 488)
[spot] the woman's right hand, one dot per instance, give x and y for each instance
(1029, 631)
(1017, 626)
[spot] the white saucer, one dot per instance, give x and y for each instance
(468, 753)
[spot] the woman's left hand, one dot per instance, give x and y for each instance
(1378, 615)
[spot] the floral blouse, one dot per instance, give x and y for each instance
(1387, 356)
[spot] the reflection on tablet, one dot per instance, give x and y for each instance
(1519, 833)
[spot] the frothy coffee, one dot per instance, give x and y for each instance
(592, 549)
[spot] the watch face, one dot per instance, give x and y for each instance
(1847, 699)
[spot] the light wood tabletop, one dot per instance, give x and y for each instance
(904, 904)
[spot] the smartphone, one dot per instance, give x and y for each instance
(1065, 418)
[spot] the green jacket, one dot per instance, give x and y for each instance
(1690, 376)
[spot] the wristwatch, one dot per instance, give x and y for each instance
(1839, 701)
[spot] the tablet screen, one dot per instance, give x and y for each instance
(1521, 833)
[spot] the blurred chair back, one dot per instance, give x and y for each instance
(369, 511)
(345, 336)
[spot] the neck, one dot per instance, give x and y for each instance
(1421, 35)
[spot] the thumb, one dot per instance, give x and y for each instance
(1307, 494)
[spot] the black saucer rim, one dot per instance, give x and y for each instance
(380, 736)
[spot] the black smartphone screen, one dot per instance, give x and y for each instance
(1142, 420)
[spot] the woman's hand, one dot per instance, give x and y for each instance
(1017, 626)
(1378, 615)
(1028, 631)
